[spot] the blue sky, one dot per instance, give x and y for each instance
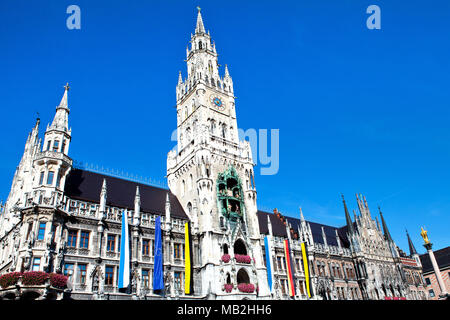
(358, 110)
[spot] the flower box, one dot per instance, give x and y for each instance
(228, 287)
(58, 280)
(242, 258)
(226, 258)
(246, 287)
(34, 278)
(9, 279)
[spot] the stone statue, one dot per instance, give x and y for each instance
(424, 236)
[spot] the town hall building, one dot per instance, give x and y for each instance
(59, 218)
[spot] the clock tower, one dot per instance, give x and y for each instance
(211, 173)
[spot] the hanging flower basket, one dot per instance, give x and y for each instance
(240, 258)
(9, 279)
(228, 287)
(246, 287)
(226, 258)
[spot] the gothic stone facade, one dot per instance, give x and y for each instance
(59, 218)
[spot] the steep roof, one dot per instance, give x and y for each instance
(442, 258)
(86, 186)
(279, 229)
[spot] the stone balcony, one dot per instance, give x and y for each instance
(53, 155)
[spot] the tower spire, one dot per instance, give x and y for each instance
(61, 121)
(200, 28)
(351, 230)
(387, 235)
(302, 218)
(227, 73)
(412, 249)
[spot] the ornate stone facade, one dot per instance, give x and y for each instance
(62, 219)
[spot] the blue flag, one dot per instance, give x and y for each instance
(124, 266)
(269, 266)
(158, 281)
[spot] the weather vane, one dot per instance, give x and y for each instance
(199, 9)
(67, 86)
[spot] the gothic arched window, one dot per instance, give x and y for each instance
(200, 45)
(224, 130)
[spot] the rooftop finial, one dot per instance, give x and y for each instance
(199, 9)
(67, 86)
(200, 28)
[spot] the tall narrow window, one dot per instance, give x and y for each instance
(56, 146)
(84, 239)
(177, 280)
(48, 145)
(145, 279)
(68, 270)
(82, 273)
(72, 238)
(111, 244)
(50, 177)
(58, 179)
(41, 233)
(36, 264)
(41, 178)
(177, 251)
(30, 227)
(145, 247)
(109, 275)
(63, 146)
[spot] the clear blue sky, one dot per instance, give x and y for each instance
(358, 110)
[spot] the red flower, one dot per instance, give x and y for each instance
(58, 280)
(9, 279)
(226, 258)
(242, 258)
(34, 278)
(246, 287)
(228, 287)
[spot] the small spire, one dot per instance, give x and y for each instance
(138, 195)
(269, 224)
(180, 79)
(64, 101)
(200, 28)
(365, 203)
(227, 73)
(412, 249)
(387, 235)
(378, 224)
(324, 237)
(338, 240)
(302, 218)
(168, 208)
(137, 207)
(103, 197)
(61, 121)
(351, 230)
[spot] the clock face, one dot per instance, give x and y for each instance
(217, 102)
